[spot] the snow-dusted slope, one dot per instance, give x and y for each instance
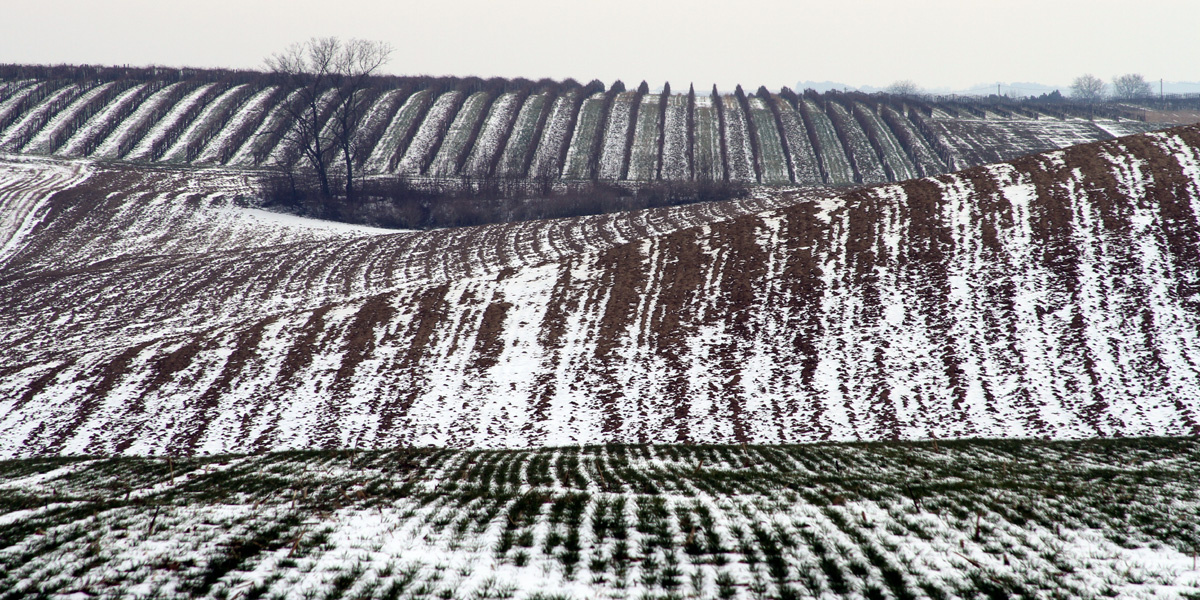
(1056, 295)
(420, 128)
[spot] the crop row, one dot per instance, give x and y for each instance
(452, 128)
(956, 520)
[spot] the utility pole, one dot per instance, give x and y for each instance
(997, 89)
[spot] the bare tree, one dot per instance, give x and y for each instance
(1130, 86)
(904, 87)
(1088, 88)
(330, 78)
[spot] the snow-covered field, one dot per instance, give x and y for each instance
(146, 312)
(1096, 519)
(858, 139)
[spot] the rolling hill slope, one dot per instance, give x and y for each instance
(1058, 295)
(449, 129)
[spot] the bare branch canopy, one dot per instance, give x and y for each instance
(330, 80)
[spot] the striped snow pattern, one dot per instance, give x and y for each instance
(429, 133)
(738, 146)
(1050, 296)
(454, 142)
(495, 125)
(587, 128)
(805, 164)
(390, 144)
(774, 163)
(675, 166)
(520, 141)
(643, 157)
(877, 142)
(546, 161)
(706, 150)
(616, 133)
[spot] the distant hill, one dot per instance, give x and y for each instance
(445, 130)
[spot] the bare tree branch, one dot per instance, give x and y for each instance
(1088, 88)
(331, 79)
(1130, 86)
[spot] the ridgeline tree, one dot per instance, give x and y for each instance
(330, 79)
(1130, 86)
(1087, 88)
(904, 87)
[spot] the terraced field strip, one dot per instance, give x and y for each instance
(495, 126)
(280, 152)
(16, 102)
(838, 170)
(774, 163)
(266, 137)
(805, 163)
(206, 123)
(898, 163)
(587, 125)
(93, 132)
(616, 133)
(429, 134)
(643, 159)
(392, 144)
(240, 127)
(136, 124)
(707, 151)
(521, 142)
(857, 145)
(738, 144)
(927, 161)
(675, 144)
(26, 125)
(42, 140)
(375, 122)
(547, 160)
(146, 145)
(454, 142)
(969, 519)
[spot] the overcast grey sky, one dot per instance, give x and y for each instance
(937, 43)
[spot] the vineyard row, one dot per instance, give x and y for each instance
(544, 131)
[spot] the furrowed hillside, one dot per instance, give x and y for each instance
(147, 311)
(427, 129)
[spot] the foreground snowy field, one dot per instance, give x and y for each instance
(973, 519)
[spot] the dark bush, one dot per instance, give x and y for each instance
(399, 203)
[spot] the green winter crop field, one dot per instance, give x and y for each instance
(964, 519)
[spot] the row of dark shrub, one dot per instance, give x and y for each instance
(400, 203)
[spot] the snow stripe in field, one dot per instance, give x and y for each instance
(40, 143)
(430, 133)
(512, 160)
(497, 121)
(554, 135)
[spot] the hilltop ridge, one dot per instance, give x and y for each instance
(448, 129)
